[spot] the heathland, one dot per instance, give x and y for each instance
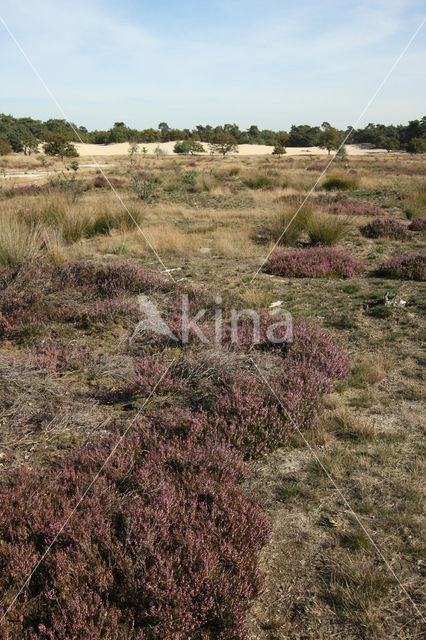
(257, 490)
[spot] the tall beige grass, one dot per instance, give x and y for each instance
(84, 219)
(283, 228)
(18, 242)
(326, 229)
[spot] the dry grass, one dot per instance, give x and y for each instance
(234, 243)
(326, 229)
(414, 200)
(355, 585)
(170, 239)
(344, 424)
(285, 227)
(18, 242)
(370, 370)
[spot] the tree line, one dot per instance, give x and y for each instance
(25, 134)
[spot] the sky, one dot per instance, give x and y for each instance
(272, 63)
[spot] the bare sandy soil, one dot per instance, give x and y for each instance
(121, 148)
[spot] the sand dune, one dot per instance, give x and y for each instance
(121, 148)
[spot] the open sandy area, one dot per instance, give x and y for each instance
(121, 148)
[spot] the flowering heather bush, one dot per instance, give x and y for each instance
(165, 546)
(55, 358)
(111, 279)
(315, 348)
(410, 266)
(101, 312)
(100, 181)
(345, 205)
(252, 418)
(314, 262)
(26, 299)
(147, 371)
(25, 190)
(418, 224)
(248, 416)
(387, 227)
(21, 299)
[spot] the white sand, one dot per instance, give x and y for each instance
(121, 148)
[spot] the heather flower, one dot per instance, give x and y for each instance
(314, 262)
(166, 544)
(418, 224)
(410, 266)
(387, 227)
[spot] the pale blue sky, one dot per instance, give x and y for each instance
(188, 62)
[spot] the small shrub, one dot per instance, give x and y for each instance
(100, 312)
(111, 279)
(344, 205)
(189, 178)
(101, 182)
(182, 147)
(326, 229)
(279, 150)
(410, 266)
(380, 311)
(384, 227)
(258, 182)
(418, 224)
(146, 370)
(164, 545)
(339, 183)
(22, 297)
(256, 420)
(314, 262)
(144, 185)
(56, 358)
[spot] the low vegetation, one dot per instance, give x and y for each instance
(410, 266)
(339, 183)
(215, 516)
(384, 227)
(315, 262)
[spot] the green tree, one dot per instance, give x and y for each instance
(133, 150)
(5, 147)
(389, 143)
(28, 141)
(59, 145)
(342, 153)
(330, 138)
(184, 146)
(223, 143)
(196, 147)
(165, 131)
(279, 150)
(303, 136)
(416, 145)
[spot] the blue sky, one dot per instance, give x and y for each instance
(187, 62)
